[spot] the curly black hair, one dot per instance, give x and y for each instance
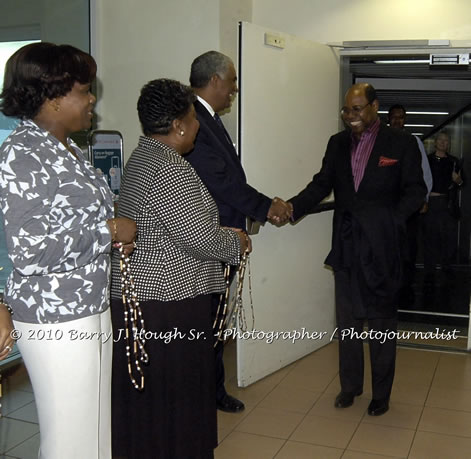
(41, 71)
(162, 101)
(396, 107)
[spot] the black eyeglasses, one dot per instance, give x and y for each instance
(355, 110)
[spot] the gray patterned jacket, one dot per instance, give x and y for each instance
(55, 209)
(180, 245)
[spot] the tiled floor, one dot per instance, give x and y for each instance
(19, 430)
(290, 414)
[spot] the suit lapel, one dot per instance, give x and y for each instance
(346, 161)
(226, 148)
(214, 127)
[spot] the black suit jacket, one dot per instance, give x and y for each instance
(216, 162)
(372, 219)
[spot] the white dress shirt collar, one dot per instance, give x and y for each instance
(207, 106)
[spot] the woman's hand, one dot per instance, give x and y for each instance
(127, 248)
(6, 327)
(122, 230)
(244, 239)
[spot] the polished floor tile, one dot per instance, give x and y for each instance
(238, 445)
(453, 399)
(429, 445)
(362, 455)
(408, 392)
(270, 423)
(26, 413)
(13, 400)
(13, 432)
(324, 431)
(378, 439)
(26, 450)
(285, 398)
(310, 380)
(297, 450)
(443, 421)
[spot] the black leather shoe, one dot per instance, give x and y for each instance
(229, 404)
(378, 407)
(345, 399)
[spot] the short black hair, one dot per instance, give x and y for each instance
(207, 65)
(41, 71)
(396, 107)
(162, 101)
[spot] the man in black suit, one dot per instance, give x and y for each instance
(397, 120)
(214, 81)
(376, 175)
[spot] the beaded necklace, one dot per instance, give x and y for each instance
(133, 324)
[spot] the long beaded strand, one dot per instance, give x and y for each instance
(133, 323)
(228, 309)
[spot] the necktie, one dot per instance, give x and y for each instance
(218, 120)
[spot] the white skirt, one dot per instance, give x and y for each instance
(69, 365)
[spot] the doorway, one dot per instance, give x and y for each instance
(436, 97)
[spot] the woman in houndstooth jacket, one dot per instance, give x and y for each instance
(176, 266)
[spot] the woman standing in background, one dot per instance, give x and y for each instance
(441, 219)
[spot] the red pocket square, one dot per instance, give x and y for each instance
(385, 161)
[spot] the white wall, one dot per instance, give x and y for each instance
(142, 40)
(339, 20)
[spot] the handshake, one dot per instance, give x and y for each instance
(279, 212)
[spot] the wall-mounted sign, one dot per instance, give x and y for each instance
(106, 154)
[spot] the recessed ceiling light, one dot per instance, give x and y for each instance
(385, 112)
(403, 61)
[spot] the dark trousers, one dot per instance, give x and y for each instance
(219, 353)
(440, 234)
(382, 351)
(412, 245)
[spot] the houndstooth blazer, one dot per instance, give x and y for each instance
(180, 245)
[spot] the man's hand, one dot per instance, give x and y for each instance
(456, 177)
(280, 211)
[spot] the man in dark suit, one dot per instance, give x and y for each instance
(376, 175)
(214, 81)
(397, 120)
